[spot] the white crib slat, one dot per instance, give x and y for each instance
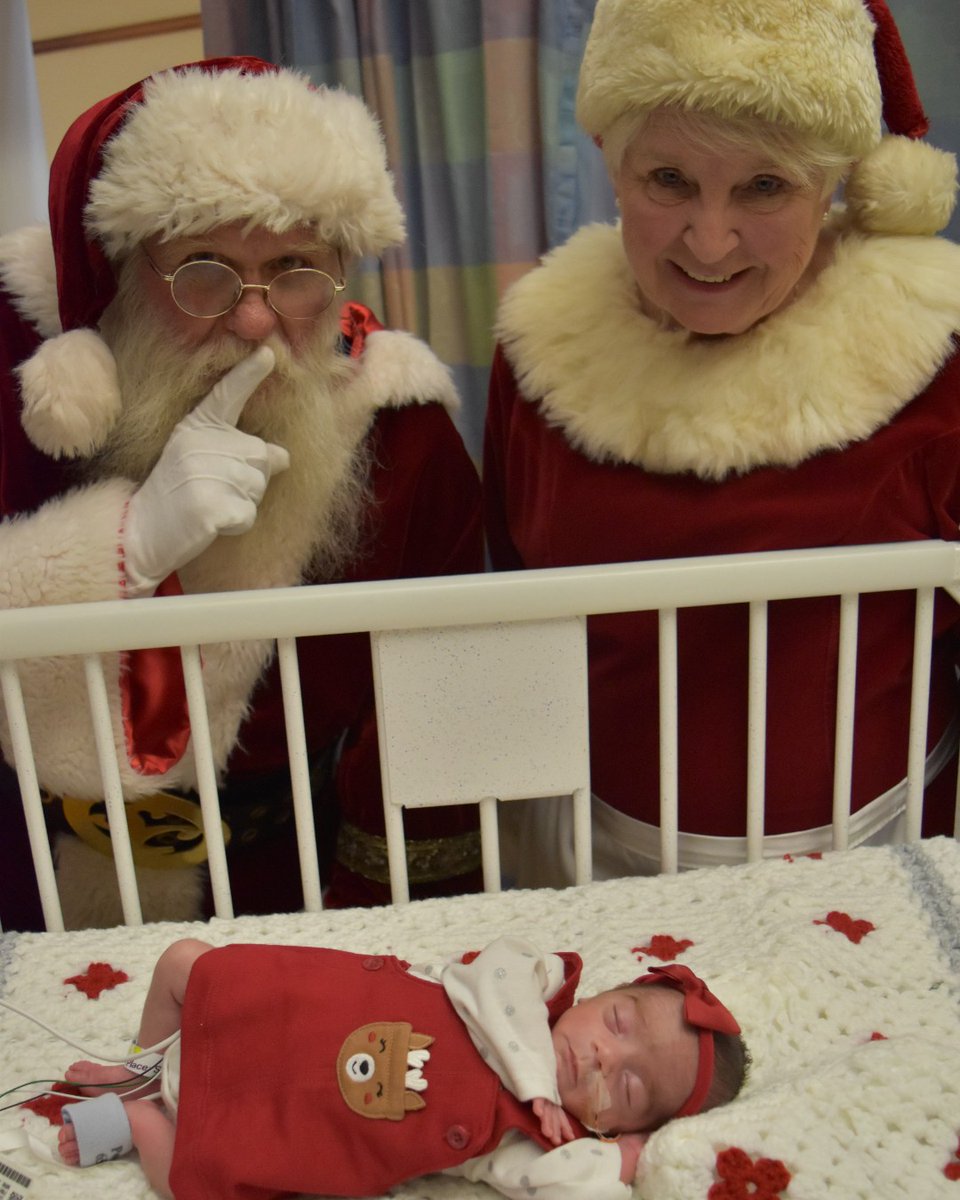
(846, 697)
(919, 701)
(490, 844)
(30, 795)
(206, 782)
(299, 774)
(582, 836)
(396, 854)
(956, 808)
(669, 751)
(112, 790)
(756, 729)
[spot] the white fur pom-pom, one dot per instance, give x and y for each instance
(903, 187)
(71, 394)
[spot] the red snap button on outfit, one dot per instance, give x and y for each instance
(372, 964)
(457, 1136)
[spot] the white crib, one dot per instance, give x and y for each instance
(502, 658)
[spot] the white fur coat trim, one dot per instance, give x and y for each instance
(835, 366)
(398, 369)
(28, 273)
(79, 532)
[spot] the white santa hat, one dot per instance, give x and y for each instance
(180, 153)
(827, 69)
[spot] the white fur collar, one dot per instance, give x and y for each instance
(866, 338)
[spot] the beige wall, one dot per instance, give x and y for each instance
(71, 80)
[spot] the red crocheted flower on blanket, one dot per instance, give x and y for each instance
(663, 946)
(952, 1169)
(98, 977)
(743, 1179)
(855, 930)
(51, 1107)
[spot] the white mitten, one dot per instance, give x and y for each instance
(209, 480)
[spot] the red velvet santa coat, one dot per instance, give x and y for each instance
(834, 422)
(63, 547)
(275, 1097)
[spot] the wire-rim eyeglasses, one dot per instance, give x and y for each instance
(208, 289)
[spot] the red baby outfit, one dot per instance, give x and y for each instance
(277, 1095)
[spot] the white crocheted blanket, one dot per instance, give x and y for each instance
(843, 971)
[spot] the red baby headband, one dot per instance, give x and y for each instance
(703, 1011)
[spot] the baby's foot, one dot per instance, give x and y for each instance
(67, 1142)
(94, 1079)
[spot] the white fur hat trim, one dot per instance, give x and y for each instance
(808, 64)
(204, 149)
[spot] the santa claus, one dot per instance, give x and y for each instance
(186, 406)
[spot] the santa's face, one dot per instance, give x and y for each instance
(318, 502)
(257, 256)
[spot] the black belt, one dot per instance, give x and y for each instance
(166, 827)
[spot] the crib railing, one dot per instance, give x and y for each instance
(500, 657)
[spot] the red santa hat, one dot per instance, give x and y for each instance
(827, 69)
(177, 154)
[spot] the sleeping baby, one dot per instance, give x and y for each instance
(297, 1069)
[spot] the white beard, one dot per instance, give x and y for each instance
(310, 522)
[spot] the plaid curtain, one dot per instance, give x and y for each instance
(476, 102)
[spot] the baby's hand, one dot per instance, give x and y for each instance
(631, 1146)
(554, 1122)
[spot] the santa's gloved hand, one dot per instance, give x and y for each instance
(209, 480)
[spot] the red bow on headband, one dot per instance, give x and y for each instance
(701, 1008)
(706, 1014)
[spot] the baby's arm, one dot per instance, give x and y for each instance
(631, 1147)
(583, 1167)
(501, 996)
(555, 1126)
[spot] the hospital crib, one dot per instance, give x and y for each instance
(843, 969)
(467, 665)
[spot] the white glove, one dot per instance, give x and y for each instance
(209, 480)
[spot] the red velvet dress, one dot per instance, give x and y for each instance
(562, 489)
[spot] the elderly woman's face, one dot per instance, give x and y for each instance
(717, 240)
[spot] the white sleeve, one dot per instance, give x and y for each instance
(501, 998)
(520, 1169)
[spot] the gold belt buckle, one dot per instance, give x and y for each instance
(166, 832)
